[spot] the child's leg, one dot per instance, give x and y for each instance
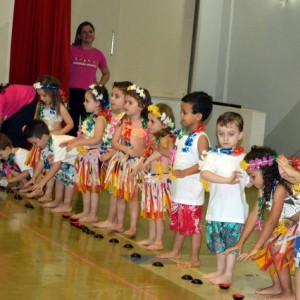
(297, 283)
(177, 247)
(47, 197)
(119, 226)
(134, 215)
(112, 214)
(226, 276)
(273, 289)
(152, 234)
(159, 228)
(93, 215)
(86, 203)
(66, 206)
(221, 263)
(194, 260)
(59, 194)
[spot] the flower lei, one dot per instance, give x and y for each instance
(128, 129)
(88, 124)
(258, 163)
(41, 110)
(10, 164)
(190, 139)
(229, 151)
(138, 90)
(108, 133)
(154, 110)
(47, 153)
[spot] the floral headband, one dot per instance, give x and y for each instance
(138, 90)
(258, 163)
(95, 92)
(45, 86)
(154, 110)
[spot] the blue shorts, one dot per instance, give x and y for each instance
(66, 174)
(222, 235)
(297, 251)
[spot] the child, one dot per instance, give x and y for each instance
(292, 175)
(276, 193)
(87, 164)
(14, 157)
(156, 188)
(227, 208)
(129, 140)
(117, 102)
(52, 110)
(187, 192)
(57, 160)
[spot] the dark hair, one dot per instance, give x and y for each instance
(3, 87)
(143, 102)
(122, 85)
(201, 103)
(269, 173)
(36, 129)
(54, 93)
(100, 90)
(5, 141)
(231, 117)
(77, 41)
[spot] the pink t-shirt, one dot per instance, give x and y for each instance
(84, 65)
(15, 96)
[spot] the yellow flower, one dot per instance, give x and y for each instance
(154, 110)
(244, 165)
(205, 184)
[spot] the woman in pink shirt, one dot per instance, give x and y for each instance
(17, 108)
(85, 61)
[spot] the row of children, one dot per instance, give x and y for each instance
(135, 145)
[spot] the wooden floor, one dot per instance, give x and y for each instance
(44, 257)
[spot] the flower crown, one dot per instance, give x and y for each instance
(154, 110)
(95, 92)
(258, 163)
(45, 86)
(138, 90)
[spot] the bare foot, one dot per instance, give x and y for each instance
(221, 279)
(88, 219)
(271, 290)
(155, 247)
(103, 224)
(25, 190)
(78, 216)
(171, 254)
(282, 296)
(52, 204)
(211, 275)
(145, 242)
(189, 264)
(45, 198)
(115, 228)
(34, 194)
(130, 233)
(62, 209)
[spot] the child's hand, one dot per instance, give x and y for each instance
(29, 183)
(235, 177)
(129, 151)
(63, 144)
(237, 247)
(245, 256)
(179, 173)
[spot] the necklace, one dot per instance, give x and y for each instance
(128, 129)
(190, 138)
(47, 153)
(229, 151)
(10, 164)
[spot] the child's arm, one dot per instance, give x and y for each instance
(37, 171)
(69, 124)
(278, 200)
(116, 140)
(95, 140)
(108, 155)
(214, 178)
(202, 147)
(49, 175)
(36, 113)
(287, 171)
(24, 174)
